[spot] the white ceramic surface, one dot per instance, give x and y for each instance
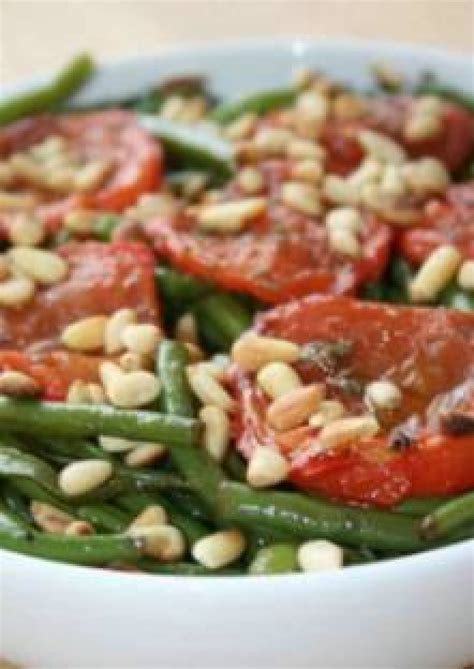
(412, 613)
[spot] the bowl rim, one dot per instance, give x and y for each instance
(297, 44)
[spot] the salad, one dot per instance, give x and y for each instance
(236, 336)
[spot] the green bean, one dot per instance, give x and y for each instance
(258, 103)
(183, 569)
(430, 86)
(192, 145)
(35, 491)
(176, 397)
(376, 292)
(105, 225)
(457, 298)
(55, 419)
(400, 275)
(16, 502)
(235, 466)
(311, 518)
(18, 464)
(180, 290)
(221, 320)
(275, 559)
(90, 550)
(190, 504)
(49, 96)
(420, 506)
(448, 517)
(104, 517)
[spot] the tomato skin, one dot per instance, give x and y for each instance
(102, 278)
(446, 221)
(429, 353)
(114, 135)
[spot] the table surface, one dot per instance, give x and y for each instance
(39, 34)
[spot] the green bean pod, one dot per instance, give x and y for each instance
(449, 517)
(221, 320)
(258, 103)
(275, 559)
(176, 396)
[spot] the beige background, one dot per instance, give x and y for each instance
(38, 34)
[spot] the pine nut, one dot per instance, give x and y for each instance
(51, 146)
(466, 275)
(328, 411)
(216, 435)
(195, 352)
(80, 221)
(387, 77)
(49, 518)
(277, 379)
(320, 555)
(295, 407)
(346, 430)
(186, 329)
(91, 176)
(114, 328)
(242, 127)
(78, 393)
(4, 268)
(132, 362)
(313, 105)
(302, 197)
(252, 351)
(16, 291)
(348, 106)
(143, 338)
(250, 180)
(116, 444)
(272, 142)
(389, 206)
(369, 171)
(79, 528)
(219, 549)
(435, 273)
(162, 542)
(86, 334)
(383, 395)
(96, 393)
(154, 514)
(308, 170)
(40, 265)
(16, 201)
(305, 148)
(425, 120)
(129, 390)
(340, 191)
(83, 476)
(26, 230)
(393, 182)
(267, 467)
(145, 455)
(230, 217)
(347, 218)
(381, 147)
(345, 242)
(427, 175)
(17, 384)
(207, 389)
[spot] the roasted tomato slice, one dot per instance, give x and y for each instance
(427, 353)
(102, 278)
(453, 145)
(131, 160)
(278, 256)
(446, 221)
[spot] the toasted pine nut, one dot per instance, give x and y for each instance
(381, 147)
(313, 105)
(154, 514)
(305, 148)
(427, 175)
(302, 197)
(16, 201)
(219, 549)
(267, 467)
(4, 268)
(383, 395)
(277, 379)
(91, 176)
(16, 291)
(339, 190)
(348, 218)
(86, 334)
(435, 273)
(242, 127)
(207, 389)
(145, 455)
(230, 217)
(253, 351)
(466, 275)
(320, 555)
(83, 476)
(96, 393)
(388, 205)
(393, 181)
(345, 242)
(129, 390)
(346, 430)
(273, 141)
(49, 518)
(26, 230)
(195, 352)
(142, 338)
(186, 329)
(250, 180)
(42, 266)
(162, 542)
(425, 120)
(79, 528)
(80, 392)
(328, 411)
(18, 384)
(295, 407)
(308, 170)
(115, 444)
(80, 221)
(349, 106)
(369, 171)
(132, 362)
(216, 431)
(114, 328)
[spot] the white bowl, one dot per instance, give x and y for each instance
(415, 612)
